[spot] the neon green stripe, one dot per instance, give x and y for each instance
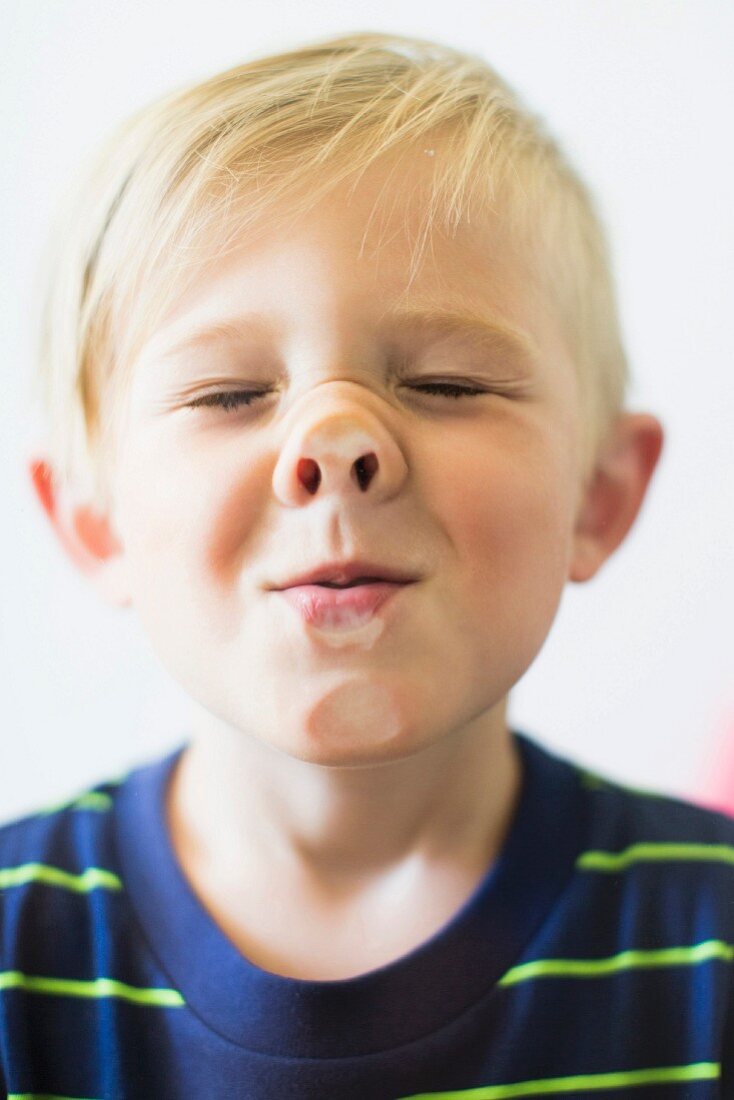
(43, 1096)
(625, 960)
(99, 987)
(697, 1071)
(651, 852)
(592, 780)
(595, 782)
(88, 880)
(90, 800)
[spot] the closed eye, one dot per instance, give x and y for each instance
(233, 399)
(227, 399)
(447, 389)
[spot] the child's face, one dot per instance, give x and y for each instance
(475, 497)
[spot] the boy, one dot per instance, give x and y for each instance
(336, 402)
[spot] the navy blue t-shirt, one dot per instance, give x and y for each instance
(594, 958)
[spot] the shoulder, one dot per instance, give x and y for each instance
(659, 861)
(59, 827)
(645, 919)
(50, 861)
(632, 813)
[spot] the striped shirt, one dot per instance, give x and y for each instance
(595, 957)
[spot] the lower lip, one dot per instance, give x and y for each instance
(339, 608)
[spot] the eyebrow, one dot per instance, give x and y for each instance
(427, 323)
(212, 332)
(483, 333)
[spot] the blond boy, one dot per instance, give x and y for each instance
(335, 396)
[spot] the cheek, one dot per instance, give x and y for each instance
(509, 523)
(179, 495)
(189, 518)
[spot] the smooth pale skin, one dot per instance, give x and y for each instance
(338, 804)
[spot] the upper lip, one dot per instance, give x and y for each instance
(342, 572)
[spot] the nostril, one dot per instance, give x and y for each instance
(365, 468)
(309, 474)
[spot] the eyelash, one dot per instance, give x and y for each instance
(230, 400)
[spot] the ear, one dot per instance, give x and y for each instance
(87, 537)
(615, 492)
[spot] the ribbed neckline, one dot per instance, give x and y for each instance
(400, 1002)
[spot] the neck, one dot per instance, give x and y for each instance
(246, 808)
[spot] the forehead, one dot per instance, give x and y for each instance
(364, 242)
(364, 252)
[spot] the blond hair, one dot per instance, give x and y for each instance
(145, 213)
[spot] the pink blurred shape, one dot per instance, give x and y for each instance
(716, 789)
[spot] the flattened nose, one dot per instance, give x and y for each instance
(337, 446)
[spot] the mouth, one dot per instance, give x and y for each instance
(349, 584)
(341, 607)
(349, 574)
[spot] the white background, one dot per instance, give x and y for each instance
(637, 675)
